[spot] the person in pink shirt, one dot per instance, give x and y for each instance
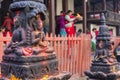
(111, 32)
(96, 32)
(8, 23)
(61, 22)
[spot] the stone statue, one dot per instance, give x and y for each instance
(38, 38)
(104, 65)
(28, 36)
(18, 39)
(104, 53)
(28, 56)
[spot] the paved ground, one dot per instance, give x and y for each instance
(83, 78)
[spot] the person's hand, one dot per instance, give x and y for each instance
(79, 17)
(76, 17)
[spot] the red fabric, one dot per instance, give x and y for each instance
(70, 30)
(89, 34)
(96, 32)
(27, 51)
(5, 35)
(8, 23)
(111, 33)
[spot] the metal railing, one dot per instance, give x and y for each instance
(109, 15)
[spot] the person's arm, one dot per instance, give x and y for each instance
(67, 17)
(35, 40)
(4, 23)
(11, 21)
(23, 37)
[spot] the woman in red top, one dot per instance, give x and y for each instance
(8, 23)
(69, 23)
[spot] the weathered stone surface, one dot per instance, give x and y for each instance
(106, 68)
(28, 56)
(104, 65)
(75, 77)
(31, 68)
(102, 76)
(60, 76)
(27, 59)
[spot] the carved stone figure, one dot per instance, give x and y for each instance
(30, 29)
(18, 39)
(38, 38)
(104, 54)
(28, 55)
(104, 65)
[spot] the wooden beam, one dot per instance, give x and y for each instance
(65, 5)
(88, 5)
(84, 16)
(118, 6)
(115, 5)
(104, 4)
(52, 16)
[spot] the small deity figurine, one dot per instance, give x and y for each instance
(104, 55)
(100, 53)
(18, 39)
(38, 38)
(28, 40)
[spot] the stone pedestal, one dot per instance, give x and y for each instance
(30, 67)
(102, 71)
(106, 68)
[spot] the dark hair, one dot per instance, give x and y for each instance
(61, 11)
(42, 16)
(93, 29)
(112, 43)
(6, 13)
(80, 30)
(118, 44)
(69, 11)
(110, 29)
